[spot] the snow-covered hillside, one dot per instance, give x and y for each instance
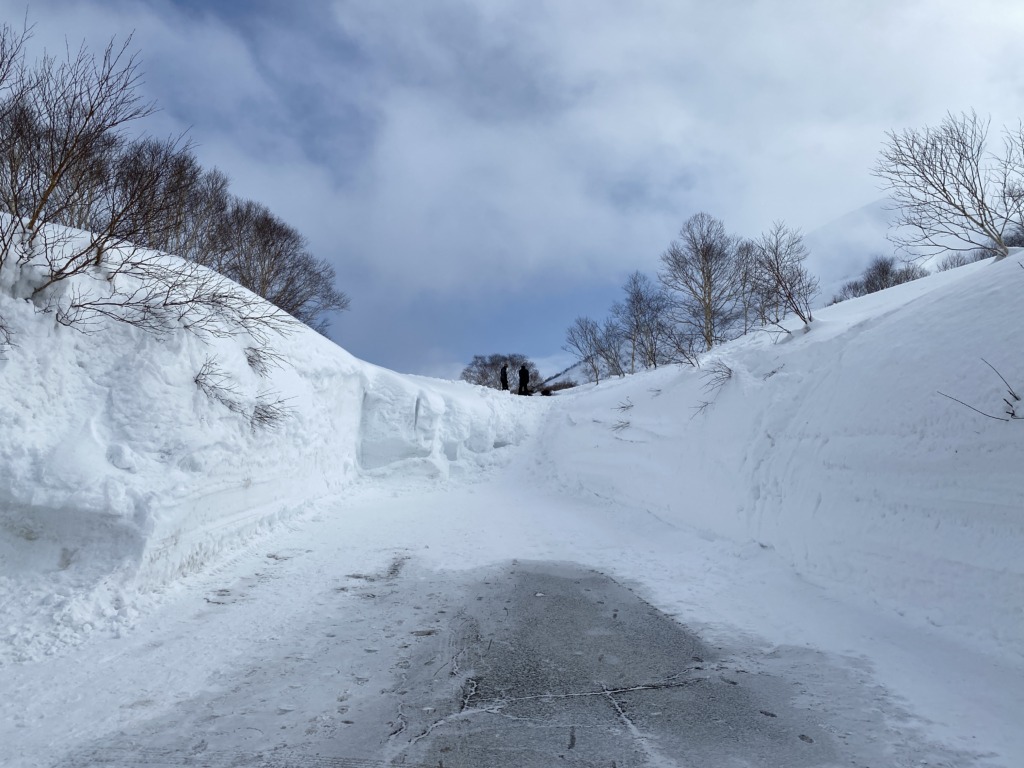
(810, 489)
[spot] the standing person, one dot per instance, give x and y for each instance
(524, 379)
(504, 377)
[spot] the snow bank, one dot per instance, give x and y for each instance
(832, 448)
(119, 475)
(835, 449)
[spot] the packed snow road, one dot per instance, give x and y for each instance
(357, 644)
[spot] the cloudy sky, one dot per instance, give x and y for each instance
(480, 172)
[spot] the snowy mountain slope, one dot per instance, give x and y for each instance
(840, 249)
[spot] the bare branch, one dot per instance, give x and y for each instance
(997, 418)
(263, 359)
(715, 376)
(216, 385)
(270, 411)
(1013, 394)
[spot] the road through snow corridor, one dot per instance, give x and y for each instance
(522, 665)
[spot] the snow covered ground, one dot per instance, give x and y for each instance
(811, 490)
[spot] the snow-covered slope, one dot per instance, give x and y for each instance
(119, 474)
(835, 449)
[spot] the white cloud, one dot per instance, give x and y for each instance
(493, 147)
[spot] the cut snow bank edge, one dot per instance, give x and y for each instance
(118, 474)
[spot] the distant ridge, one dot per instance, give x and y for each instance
(842, 248)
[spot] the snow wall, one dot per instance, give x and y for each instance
(835, 449)
(120, 474)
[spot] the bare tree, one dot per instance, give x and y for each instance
(883, 273)
(780, 280)
(62, 131)
(950, 192)
(752, 307)
(684, 346)
(79, 194)
(12, 83)
(701, 272)
(188, 214)
(185, 205)
(613, 342)
(643, 319)
(583, 340)
(271, 259)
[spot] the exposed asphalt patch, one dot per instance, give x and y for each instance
(555, 662)
(525, 665)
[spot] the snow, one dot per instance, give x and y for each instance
(807, 490)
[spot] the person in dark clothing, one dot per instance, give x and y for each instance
(524, 379)
(504, 377)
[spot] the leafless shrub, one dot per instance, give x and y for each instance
(1011, 401)
(684, 346)
(624, 406)
(952, 261)
(883, 272)
(5, 336)
(715, 376)
(775, 332)
(620, 425)
(270, 412)
(216, 384)
(262, 360)
(962, 258)
(700, 408)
